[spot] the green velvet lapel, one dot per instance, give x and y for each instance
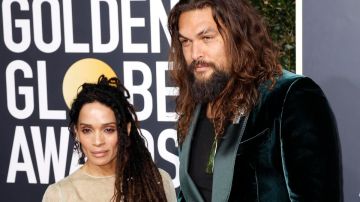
(188, 187)
(225, 160)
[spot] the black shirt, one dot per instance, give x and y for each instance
(199, 155)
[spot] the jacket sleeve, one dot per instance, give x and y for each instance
(310, 148)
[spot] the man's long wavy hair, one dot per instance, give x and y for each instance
(252, 54)
(136, 177)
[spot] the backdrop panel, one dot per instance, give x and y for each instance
(331, 50)
(40, 42)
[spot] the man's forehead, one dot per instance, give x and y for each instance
(196, 22)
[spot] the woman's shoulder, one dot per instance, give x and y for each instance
(165, 178)
(54, 191)
(168, 185)
(163, 173)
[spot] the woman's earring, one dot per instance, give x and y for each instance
(77, 139)
(129, 128)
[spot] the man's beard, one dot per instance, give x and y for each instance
(204, 91)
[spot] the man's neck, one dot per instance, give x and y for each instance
(209, 112)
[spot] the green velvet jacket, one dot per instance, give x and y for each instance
(286, 149)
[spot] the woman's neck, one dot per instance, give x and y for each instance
(99, 171)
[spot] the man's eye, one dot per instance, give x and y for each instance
(207, 38)
(185, 42)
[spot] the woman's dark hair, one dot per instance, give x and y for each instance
(137, 177)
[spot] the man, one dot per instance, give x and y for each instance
(248, 130)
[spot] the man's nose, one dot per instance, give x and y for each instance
(196, 50)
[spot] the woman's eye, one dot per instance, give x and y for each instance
(85, 130)
(110, 130)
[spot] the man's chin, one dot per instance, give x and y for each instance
(202, 77)
(205, 88)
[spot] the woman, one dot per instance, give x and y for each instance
(118, 166)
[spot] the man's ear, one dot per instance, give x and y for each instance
(129, 128)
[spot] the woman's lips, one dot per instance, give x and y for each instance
(99, 154)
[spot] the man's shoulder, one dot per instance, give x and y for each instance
(285, 84)
(294, 82)
(286, 81)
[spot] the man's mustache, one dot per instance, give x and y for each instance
(194, 63)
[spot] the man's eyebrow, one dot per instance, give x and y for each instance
(200, 33)
(182, 36)
(206, 31)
